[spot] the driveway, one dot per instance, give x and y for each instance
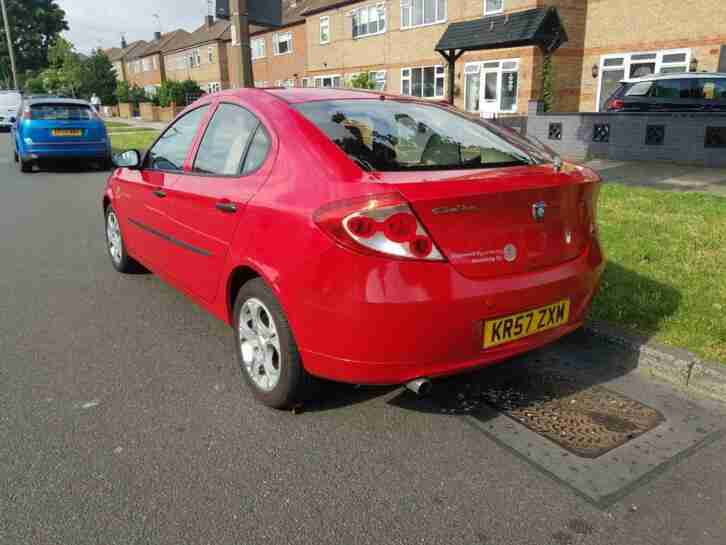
(123, 420)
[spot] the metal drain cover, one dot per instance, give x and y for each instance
(587, 422)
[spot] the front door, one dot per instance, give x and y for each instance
(490, 92)
(144, 192)
(208, 200)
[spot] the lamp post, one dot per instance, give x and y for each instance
(10, 44)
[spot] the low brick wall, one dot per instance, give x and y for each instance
(698, 139)
(149, 112)
(169, 114)
(125, 110)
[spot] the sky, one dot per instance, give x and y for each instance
(100, 23)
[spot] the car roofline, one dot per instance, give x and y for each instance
(678, 75)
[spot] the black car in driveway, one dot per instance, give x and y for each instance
(691, 92)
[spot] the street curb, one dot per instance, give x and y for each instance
(674, 365)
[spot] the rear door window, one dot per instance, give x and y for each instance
(171, 150)
(640, 89)
(60, 112)
(226, 141)
(674, 89)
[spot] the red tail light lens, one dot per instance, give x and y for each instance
(378, 225)
(616, 104)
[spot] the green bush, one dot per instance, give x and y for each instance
(122, 91)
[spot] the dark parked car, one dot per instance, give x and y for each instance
(694, 92)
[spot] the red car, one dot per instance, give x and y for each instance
(359, 237)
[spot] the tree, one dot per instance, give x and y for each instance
(362, 81)
(34, 25)
(65, 75)
(98, 77)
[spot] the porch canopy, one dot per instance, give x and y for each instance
(540, 27)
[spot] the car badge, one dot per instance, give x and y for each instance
(538, 211)
(510, 252)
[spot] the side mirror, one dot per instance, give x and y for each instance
(127, 159)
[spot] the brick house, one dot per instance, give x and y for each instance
(202, 56)
(118, 56)
(145, 66)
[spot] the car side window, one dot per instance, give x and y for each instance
(226, 141)
(170, 151)
(674, 88)
(259, 148)
(711, 89)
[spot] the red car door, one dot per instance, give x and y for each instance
(207, 201)
(144, 192)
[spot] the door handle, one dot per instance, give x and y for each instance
(160, 193)
(226, 206)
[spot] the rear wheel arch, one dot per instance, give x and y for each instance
(238, 278)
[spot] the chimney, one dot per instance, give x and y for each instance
(124, 45)
(157, 36)
(209, 21)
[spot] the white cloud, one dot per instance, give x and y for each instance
(100, 23)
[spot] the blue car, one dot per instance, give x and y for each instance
(60, 129)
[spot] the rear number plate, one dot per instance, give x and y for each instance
(67, 132)
(518, 326)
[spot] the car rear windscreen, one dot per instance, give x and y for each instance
(389, 135)
(60, 112)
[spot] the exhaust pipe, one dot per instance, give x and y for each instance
(421, 386)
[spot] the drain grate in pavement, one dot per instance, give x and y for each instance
(587, 422)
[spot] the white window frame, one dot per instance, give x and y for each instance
(262, 84)
(501, 70)
(195, 58)
(493, 11)
(377, 7)
(147, 64)
(276, 43)
(210, 54)
(627, 61)
(305, 82)
(437, 76)
(324, 23)
(408, 5)
(214, 87)
(331, 77)
(261, 46)
(155, 62)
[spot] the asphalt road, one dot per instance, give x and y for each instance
(123, 420)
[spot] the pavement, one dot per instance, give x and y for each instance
(662, 175)
(124, 420)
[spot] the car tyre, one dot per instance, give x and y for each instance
(266, 350)
(25, 166)
(15, 156)
(115, 246)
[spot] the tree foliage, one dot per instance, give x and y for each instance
(177, 92)
(34, 25)
(65, 75)
(98, 77)
(548, 94)
(362, 81)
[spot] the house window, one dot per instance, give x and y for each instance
(155, 62)
(325, 30)
(328, 81)
(378, 79)
(195, 58)
(146, 63)
(282, 43)
(305, 83)
(210, 54)
(424, 82)
(369, 21)
(493, 6)
(214, 87)
(491, 87)
(261, 84)
(258, 48)
(615, 68)
(422, 12)
(181, 62)
(288, 83)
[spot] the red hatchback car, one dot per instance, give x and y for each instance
(359, 237)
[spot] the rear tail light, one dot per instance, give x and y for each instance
(378, 225)
(26, 114)
(616, 104)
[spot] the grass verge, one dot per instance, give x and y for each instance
(136, 140)
(666, 273)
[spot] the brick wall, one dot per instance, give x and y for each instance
(273, 68)
(151, 77)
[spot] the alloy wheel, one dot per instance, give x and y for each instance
(259, 344)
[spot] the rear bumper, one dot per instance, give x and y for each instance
(74, 151)
(392, 330)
